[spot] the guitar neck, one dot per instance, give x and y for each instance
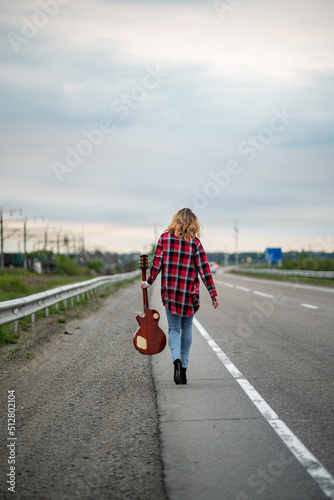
(145, 295)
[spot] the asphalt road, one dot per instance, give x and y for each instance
(256, 419)
(85, 421)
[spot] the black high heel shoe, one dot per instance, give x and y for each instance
(183, 375)
(177, 371)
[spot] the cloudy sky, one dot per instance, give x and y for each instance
(115, 114)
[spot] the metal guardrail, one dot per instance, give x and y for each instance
(288, 272)
(13, 310)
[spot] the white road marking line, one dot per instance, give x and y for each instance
(309, 306)
(218, 282)
(244, 289)
(312, 465)
(264, 294)
(229, 285)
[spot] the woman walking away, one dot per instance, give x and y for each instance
(180, 257)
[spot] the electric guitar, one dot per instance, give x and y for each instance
(149, 338)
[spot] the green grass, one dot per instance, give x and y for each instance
(19, 353)
(8, 336)
(293, 279)
(18, 283)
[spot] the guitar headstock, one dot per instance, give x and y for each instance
(143, 262)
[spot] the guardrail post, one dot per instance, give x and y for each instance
(13, 310)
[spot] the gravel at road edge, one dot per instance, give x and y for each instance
(86, 415)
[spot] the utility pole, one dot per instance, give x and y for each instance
(26, 237)
(2, 211)
(45, 240)
(82, 240)
(1, 237)
(225, 257)
(66, 243)
(74, 245)
(25, 260)
(236, 231)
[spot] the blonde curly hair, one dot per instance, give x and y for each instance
(184, 225)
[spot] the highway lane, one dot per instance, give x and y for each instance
(285, 351)
(305, 292)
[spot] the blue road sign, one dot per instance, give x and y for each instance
(273, 254)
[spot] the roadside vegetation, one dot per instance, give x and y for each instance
(17, 282)
(84, 306)
(307, 262)
(304, 262)
(293, 279)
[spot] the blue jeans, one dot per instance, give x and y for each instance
(179, 336)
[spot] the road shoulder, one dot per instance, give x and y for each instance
(86, 421)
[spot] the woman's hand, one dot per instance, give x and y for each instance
(215, 302)
(143, 285)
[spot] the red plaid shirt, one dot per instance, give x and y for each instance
(180, 262)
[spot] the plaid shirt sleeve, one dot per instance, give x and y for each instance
(157, 262)
(202, 264)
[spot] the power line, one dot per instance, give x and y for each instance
(3, 211)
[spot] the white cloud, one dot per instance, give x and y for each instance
(225, 79)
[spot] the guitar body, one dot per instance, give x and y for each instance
(149, 338)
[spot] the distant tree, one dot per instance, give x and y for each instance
(95, 265)
(65, 265)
